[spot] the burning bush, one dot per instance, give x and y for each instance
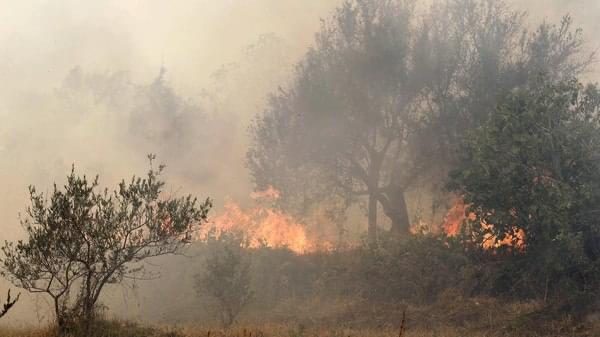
(532, 170)
(264, 225)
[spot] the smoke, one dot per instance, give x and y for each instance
(585, 16)
(102, 83)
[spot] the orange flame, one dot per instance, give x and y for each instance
(457, 215)
(263, 225)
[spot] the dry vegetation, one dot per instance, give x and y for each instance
(124, 329)
(450, 316)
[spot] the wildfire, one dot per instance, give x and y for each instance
(262, 225)
(457, 215)
(267, 226)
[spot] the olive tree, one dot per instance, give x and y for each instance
(386, 93)
(81, 238)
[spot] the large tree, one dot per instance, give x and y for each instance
(81, 238)
(347, 118)
(384, 94)
(535, 167)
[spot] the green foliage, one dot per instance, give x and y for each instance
(82, 238)
(417, 269)
(535, 166)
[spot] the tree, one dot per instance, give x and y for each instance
(349, 112)
(535, 167)
(82, 238)
(384, 96)
(227, 277)
(161, 117)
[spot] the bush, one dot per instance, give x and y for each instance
(227, 277)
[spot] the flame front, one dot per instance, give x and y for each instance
(267, 226)
(262, 225)
(455, 217)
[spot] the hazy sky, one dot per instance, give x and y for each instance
(41, 41)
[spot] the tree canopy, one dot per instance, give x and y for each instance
(535, 167)
(385, 94)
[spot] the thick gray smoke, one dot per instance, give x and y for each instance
(101, 84)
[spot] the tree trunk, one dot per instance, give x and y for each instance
(62, 319)
(399, 217)
(394, 206)
(372, 229)
(88, 304)
(88, 318)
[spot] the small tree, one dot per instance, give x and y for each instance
(227, 278)
(82, 239)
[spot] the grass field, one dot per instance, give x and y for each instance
(119, 329)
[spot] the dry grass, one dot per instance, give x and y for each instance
(245, 332)
(101, 329)
(450, 316)
(121, 329)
